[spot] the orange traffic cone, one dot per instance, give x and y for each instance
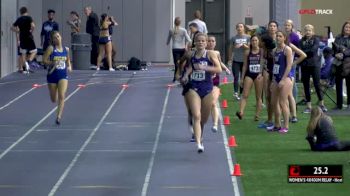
(224, 103)
(232, 141)
(237, 170)
(227, 120)
(224, 80)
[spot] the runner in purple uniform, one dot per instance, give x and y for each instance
(252, 74)
(199, 74)
(216, 83)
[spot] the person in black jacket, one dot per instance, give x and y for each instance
(321, 133)
(341, 48)
(311, 66)
(92, 28)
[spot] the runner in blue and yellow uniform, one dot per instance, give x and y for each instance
(56, 57)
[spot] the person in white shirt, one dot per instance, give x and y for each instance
(179, 37)
(202, 27)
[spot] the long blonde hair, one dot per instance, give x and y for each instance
(316, 115)
(177, 23)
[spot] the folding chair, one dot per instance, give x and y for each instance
(325, 86)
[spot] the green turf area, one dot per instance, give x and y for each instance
(264, 157)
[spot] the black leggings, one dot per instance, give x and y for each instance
(340, 146)
(339, 87)
(236, 70)
(177, 54)
(306, 73)
(94, 50)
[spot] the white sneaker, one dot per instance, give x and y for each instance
(214, 129)
(111, 69)
(97, 68)
(200, 148)
(27, 66)
(235, 95)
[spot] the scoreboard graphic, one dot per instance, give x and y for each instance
(315, 174)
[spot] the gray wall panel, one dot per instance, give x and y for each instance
(156, 24)
(132, 29)
(8, 50)
(162, 25)
(149, 29)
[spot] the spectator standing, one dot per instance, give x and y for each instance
(74, 22)
(92, 28)
(341, 63)
(202, 27)
(47, 27)
(179, 37)
(24, 25)
(239, 43)
(311, 66)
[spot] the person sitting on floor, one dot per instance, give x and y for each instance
(321, 133)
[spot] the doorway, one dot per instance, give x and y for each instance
(213, 14)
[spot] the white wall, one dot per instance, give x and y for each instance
(238, 10)
(8, 39)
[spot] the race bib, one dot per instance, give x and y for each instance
(61, 65)
(198, 75)
(254, 68)
(241, 41)
(276, 69)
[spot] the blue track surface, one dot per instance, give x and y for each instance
(112, 140)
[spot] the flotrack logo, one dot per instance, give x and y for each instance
(316, 11)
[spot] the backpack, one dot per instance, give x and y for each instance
(134, 64)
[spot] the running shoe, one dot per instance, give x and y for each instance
(239, 115)
(200, 148)
(27, 67)
(294, 119)
(273, 129)
(235, 95)
(265, 124)
(111, 69)
(192, 138)
(307, 111)
(283, 130)
(323, 108)
(97, 68)
(214, 129)
(58, 121)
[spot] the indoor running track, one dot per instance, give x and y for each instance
(114, 140)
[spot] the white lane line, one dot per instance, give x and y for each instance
(155, 146)
(17, 98)
(34, 127)
(76, 157)
(86, 151)
(228, 153)
(58, 129)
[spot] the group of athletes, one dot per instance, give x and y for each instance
(266, 61)
(56, 56)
